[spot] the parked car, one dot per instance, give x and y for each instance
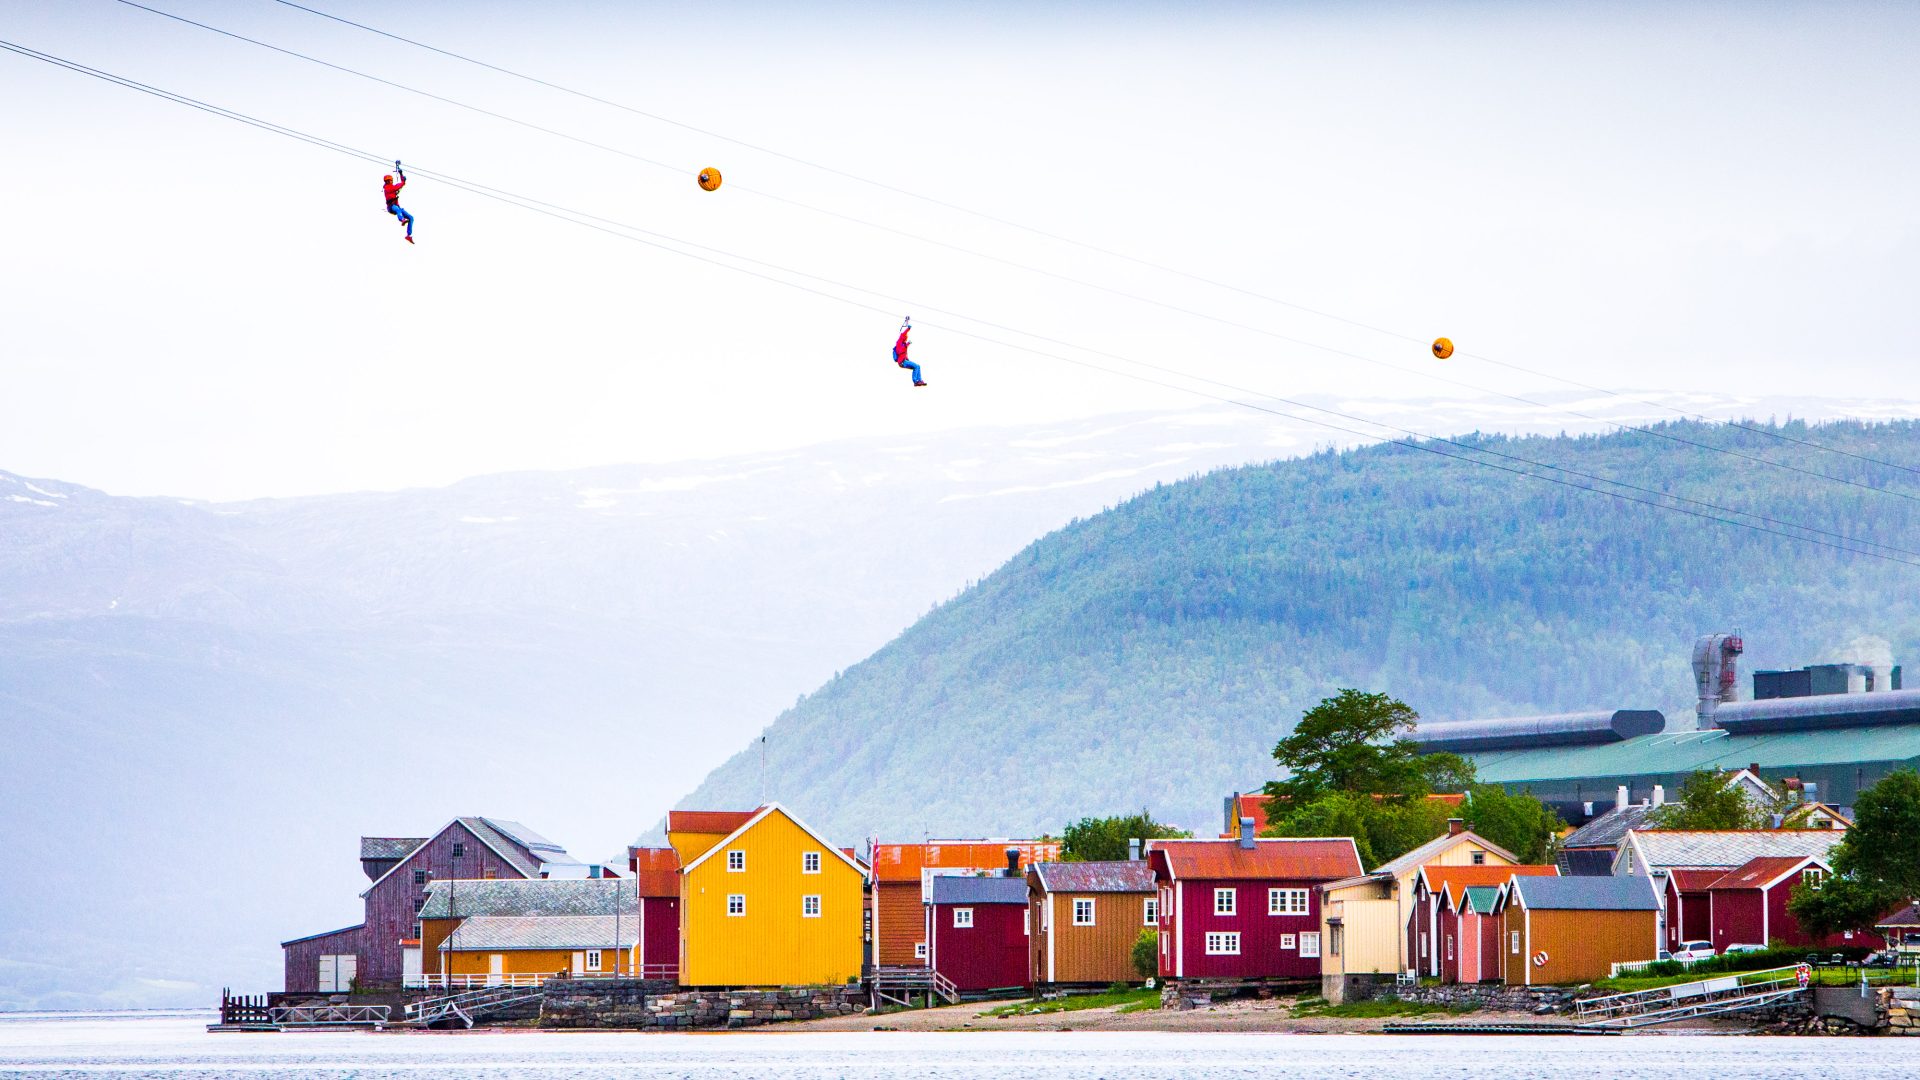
(1690, 951)
(1732, 949)
(1883, 958)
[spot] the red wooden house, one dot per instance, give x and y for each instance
(1748, 905)
(978, 933)
(1471, 916)
(1690, 905)
(656, 873)
(1244, 908)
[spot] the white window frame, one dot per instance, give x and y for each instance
(963, 918)
(1152, 911)
(1287, 941)
(1478, 857)
(1288, 902)
(1231, 898)
(1078, 910)
(736, 861)
(1310, 945)
(1223, 943)
(1423, 944)
(1026, 922)
(736, 901)
(810, 906)
(809, 862)
(919, 950)
(1813, 877)
(1513, 942)
(593, 960)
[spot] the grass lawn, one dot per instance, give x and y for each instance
(1376, 1008)
(1128, 1001)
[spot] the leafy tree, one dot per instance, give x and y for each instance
(1382, 828)
(1353, 742)
(1146, 953)
(1520, 823)
(1705, 800)
(1876, 866)
(1448, 773)
(1105, 839)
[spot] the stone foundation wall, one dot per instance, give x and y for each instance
(642, 1004)
(1539, 1000)
(1902, 1005)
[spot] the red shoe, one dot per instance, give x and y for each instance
(409, 239)
(917, 382)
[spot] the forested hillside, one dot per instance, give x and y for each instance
(1151, 655)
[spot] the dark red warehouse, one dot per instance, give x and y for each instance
(977, 932)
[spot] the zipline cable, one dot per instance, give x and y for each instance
(589, 221)
(1175, 271)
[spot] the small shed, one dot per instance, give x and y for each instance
(1476, 918)
(1560, 930)
(1437, 890)
(977, 932)
(1086, 917)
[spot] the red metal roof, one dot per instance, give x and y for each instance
(707, 821)
(657, 870)
(1451, 880)
(1131, 876)
(1760, 871)
(903, 862)
(1696, 880)
(1282, 859)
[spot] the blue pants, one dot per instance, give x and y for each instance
(405, 218)
(913, 367)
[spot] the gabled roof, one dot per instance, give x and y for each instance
(1766, 871)
(1695, 880)
(1606, 829)
(1585, 893)
(541, 896)
(1432, 849)
(904, 862)
(565, 932)
(1479, 899)
(1272, 858)
(656, 870)
(967, 889)
(1665, 849)
(707, 821)
(1448, 881)
(1130, 876)
(759, 816)
(329, 933)
(1907, 918)
(389, 847)
(509, 851)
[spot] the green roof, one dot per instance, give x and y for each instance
(1687, 751)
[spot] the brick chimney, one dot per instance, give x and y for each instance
(1456, 826)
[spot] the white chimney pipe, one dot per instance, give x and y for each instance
(1620, 797)
(1659, 795)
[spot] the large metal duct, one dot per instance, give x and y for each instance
(1527, 732)
(1820, 712)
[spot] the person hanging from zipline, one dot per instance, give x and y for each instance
(900, 352)
(393, 199)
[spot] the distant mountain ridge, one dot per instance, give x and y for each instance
(1152, 655)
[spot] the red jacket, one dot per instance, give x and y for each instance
(900, 348)
(393, 191)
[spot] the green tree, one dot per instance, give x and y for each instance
(1105, 839)
(1448, 773)
(1705, 800)
(1354, 742)
(1382, 828)
(1146, 953)
(1876, 867)
(1520, 823)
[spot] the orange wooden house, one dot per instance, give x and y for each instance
(902, 876)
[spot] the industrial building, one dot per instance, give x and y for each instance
(1835, 728)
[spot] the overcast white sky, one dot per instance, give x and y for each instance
(1672, 196)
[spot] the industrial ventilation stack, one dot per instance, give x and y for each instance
(1716, 675)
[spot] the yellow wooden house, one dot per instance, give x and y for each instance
(771, 903)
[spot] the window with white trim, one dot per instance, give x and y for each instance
(593, 960)
(1812, 878)
(736, 861)
(810, 907)
(1513, 942)
(1479, 857)
(962, 918)
(919, 950)
(1310, 944)
(1224, 901)
(1082, 912)
(736, 903)
(1286, 901)
(1152, 914)
(1335, 936)
(1026, 922)
(1449, 946)
(1423, 943)
(1287, 941)
(810, 862)
(1223, 943)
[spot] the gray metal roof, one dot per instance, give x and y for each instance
(529, 839)
(967, 889)
(502, 932)
(1607, 829)
(1591, 862)
(510, 849)
(389, 847)
(1587, 893)
(1084, 877)
(1665, 849)
(549, 896)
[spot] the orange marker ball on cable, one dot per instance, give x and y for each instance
(709, 179)
(1443, 347)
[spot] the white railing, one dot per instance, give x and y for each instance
(472, 982)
